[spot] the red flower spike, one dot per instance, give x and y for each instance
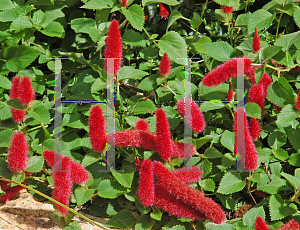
(188, 194)
(226, 71)
(97, 130)
(26, 92)
(196, 122)
(163, 134)
(10, 192)
(14, 90)
(178, 149)
(291, 225)
(251, 74)
(114, 46)
(256, 42)
(230, 93)
(18, 153)
(256, 95)
(260, 224)
(146, 17)
(189, 174)
(163, 12)
(165, 65)
(251, 156)
(264, 82)
(297, 105)
(146, 183)
(62, 184)
(227, 9)
(167, 202)
(18, 115)
(142, 125)
(254, 128)
(124, 3)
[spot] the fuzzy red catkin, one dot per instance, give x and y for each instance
(256, 95)
(297, 105)
(254, 128)
(196, 121)
(163, 12)
(164, 142)
(188, 174)
(146, 183)
(226, 71)
(227, 9)
(256, 41)
(260, 224)
(178, 150)
(142, 125)
(167, 202)
(18, 115)
(10, 192)
(230, 93)
(62, 183)
(18, 153)
(26, 92)
(97, 130)
(165, 65)
(124, 3)
(187, 194)
(264, 82)
(113, 46)
(291, 225)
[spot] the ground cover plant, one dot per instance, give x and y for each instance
(159, 182)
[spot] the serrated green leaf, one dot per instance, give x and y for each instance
(220, 51)
(5, 136)
(148, 83)
(5, 113)
(279, 209)
(211, 105)
(35, 164)
(203, 140)
(294, 136)
(122, 220)
(128, 72)
(82, 25)
(168, 2)
(6, 4)
(253, 110)
(287, 114)
(260, 19)
(16, 104)
(250, 216)
(198, 45)
(276, 139)
(206, 167)
(175, 15)
(211, 152)
(144, 223)
(82, 195)
(294, 181)
(20, 23)
(297, 17)
(90, 159)
(144, 107)
(134, 38)
(227, 140)
(271, 188)
(124, 178)
(135, 15)
(17, 177)
(269, 52)
(228, 160)
(231, 183)
(98, 4)
(4, 171)
(287, 40)
(54, 29)
(281, 154)
(39, 17)
(110, 189)
(295, 159)
(242, 20)
(208, 185)
(156, 214)
(40, 113)
(5, 82)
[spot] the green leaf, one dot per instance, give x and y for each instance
(98, 4)
(175, 15)
(202, 141)
(90, 159)
(17, 177)
(250, 216)
(196, 21)
(234, 3)
(125, 178)
(227, 140)
(156, 215)
(231, 183)
(259, 72)
(82, 25)
(168, 2)
(220, 51)
(54, 29)
(279, 209)
(16, 104)
(5, 82)
(286, 41)
(144, 223)
(297, 17)
(208, 185)
(260, 19)
(122, 220)
(6, 4)
(35, 164)
(110, 189)
(242, 20)
(135, 15)
(253, 110)
(228, 160)
(211, 152)
(134, 38)
(294, 181)
(82, 195)
(281, 154)
(269, 52)
(198, 45)
(19, 57)
(295, 159)
(40, 113)
(5, 136)
(294, 137)
(148, 83)
(206, 167)
(271, 188)
(5, 113)
(4, 171)
(280, 92)
(211, 105)
(39, 17)
(173, 44)
(144, 107)
(21, 23)
(149, 53)
(128, 72)
(72, 226)
(276, 139)
(287, 114)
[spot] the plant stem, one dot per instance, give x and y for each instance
(56, 202)
(150, 37)
(278, 21)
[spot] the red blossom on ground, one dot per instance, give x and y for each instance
(188, 174)
(18, 153)
(254, 128)
(97, 130)
(256, 41)
(163, 12)
(264, 82)
(146, 183)
(124, 3)
(196, 121)
(297, 105)
(165, 65)
(291, 225)
(230, 93)
(227, 70)
(260, 224)
(142, 125)
(113, 46)
(163, 134)
(10, 192)
(188, 194)
(26, 92)
(256, 95)
(227, 9)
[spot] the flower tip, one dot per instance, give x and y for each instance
(165, 65)
(256, 41)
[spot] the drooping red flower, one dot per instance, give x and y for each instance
(18, 153)
(291, 225)
(188, 194)
(251, 156)
(165, 65)
(26, 92)
(163, 12)
(179, 147)
(256, 95)
(146, 183)
(10, 192)
(113, 47)
(142, 125)
(188, 174)
(254, 128)
(297, 105)
(230, 93)
(226, 71)
(124, 3)
(256, 41)
(196, 121)
(264, 82)
(260, 224)
(97, 130)
(227, 9)
(62, 183)
(163, 134)
(251, 74)
(18, 115)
